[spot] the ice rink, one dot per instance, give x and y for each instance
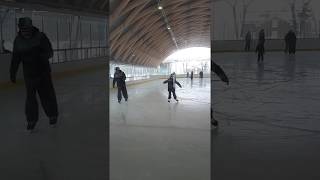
(269, 117)
(153, 139)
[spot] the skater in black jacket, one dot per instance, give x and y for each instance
(291, 40)
(33, 49)
(120, 78)
(171, 86)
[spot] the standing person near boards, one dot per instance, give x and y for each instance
(33, 49)
(291, 41)
(248, 41)
(260, 47)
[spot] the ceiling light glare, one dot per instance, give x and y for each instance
(160, 7)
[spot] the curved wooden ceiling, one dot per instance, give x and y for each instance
(139, 34)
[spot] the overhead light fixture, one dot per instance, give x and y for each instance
(160, 7)
(169, 27)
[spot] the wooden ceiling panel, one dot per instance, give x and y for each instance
(140, 35)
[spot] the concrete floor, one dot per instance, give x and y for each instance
(153, 139)
(75, 150)
(269, 117)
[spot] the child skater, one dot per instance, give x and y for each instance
(171, 86)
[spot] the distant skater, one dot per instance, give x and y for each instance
(248, 41)
(171, 86)
(260, 47)
(286, 40)
(291, 41)
(191, 76)
(120, 78)
(201, 74)
(33, 49)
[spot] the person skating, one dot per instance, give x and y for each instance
(33, 49)
(248, 41)
(291, 40)
(171, 86)
(191, 76)
(222, 75)
(120, 78)
(260, 47)
(286, 40)
(201, 74)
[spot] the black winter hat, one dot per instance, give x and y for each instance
(25, 22)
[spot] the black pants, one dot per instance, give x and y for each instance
(174, 94)
(122, 90)
(44, 88)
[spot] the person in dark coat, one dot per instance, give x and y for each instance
(286, 40)
(291, 40)
(120, 78)
(191, 76)
(187, 74)
(201, 74)
(222, 75)
(171, 86)
(260, 46)
(33, 49)
(248, 41)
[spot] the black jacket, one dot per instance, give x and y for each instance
(119, 78)
(170, 84)
(34, 53)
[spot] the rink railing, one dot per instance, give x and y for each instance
(270, 45)
(72, 54)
